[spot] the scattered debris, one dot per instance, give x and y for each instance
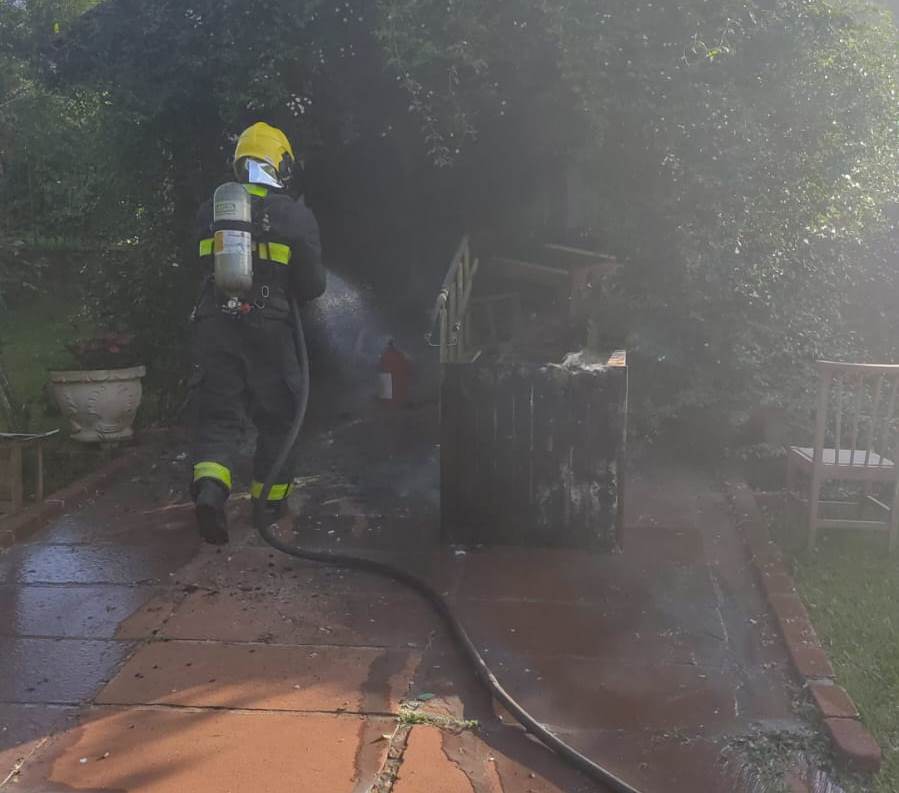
(411, 714)
(386, 778)
(762, 759)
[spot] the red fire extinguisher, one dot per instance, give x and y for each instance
(394, 375)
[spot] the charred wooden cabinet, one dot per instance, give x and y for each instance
(533, 454)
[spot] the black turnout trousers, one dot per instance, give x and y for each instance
(244, 370)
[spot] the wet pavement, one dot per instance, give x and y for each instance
(136, 659)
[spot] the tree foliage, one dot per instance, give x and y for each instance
(740, 155)
(153, 94)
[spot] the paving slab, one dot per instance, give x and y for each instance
(220, 751)
(307, 617)
(87, 612)
(647, 507)
(750, 627)
(493, 761)
(23, 728)
(426, 767)
(263, 677)
(146, 563)
(599, 693)
(506, 759)
(125, 514)
(147, 621)
(248, 569)
(533, 573)
(347, 521)
(445, 675)
(630, 632)
(62, 671)
(661, 762)
(649, 660)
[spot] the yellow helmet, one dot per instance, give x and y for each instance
(266, 144)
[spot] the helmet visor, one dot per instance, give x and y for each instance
(262, 173)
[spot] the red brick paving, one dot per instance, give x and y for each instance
(309, 617)
(263, 677)
(148, 620)
(427, 768)
(833, 701)
(163, 751)
(794, 620)
(854, 745)
(810, 662)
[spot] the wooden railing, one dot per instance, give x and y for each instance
(450, 314)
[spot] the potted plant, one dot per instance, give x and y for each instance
(102, 396)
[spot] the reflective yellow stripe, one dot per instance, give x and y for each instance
(279, 492)
(256, 189)
(206, 247)
(279, 253)
(210, 470)
(275, 252)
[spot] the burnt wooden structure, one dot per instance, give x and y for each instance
(532, 438)
(532, 453)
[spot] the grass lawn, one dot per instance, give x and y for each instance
(851, 587)
(33, 336)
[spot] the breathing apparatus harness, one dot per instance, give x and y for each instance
(241, 232)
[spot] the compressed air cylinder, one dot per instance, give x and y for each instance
(233, 240)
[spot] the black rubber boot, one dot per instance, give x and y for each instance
(270, 513)
(210, 510)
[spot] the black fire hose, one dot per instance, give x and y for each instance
(484, 675)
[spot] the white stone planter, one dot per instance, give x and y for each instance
(100, 404)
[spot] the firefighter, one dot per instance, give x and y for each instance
(245, 362)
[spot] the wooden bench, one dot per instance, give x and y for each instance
(12, 477)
